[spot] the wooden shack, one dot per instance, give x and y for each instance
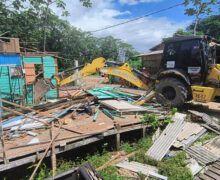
(151, 61)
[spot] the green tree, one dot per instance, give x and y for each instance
(198, 8)
(209, 26)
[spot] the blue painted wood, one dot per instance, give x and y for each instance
(12, 120)
(61, 114)
(10, 59)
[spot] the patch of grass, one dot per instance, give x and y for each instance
(206, 137)
(152, 120)
(128, 148)
(110, 173)
(143, 144)
(98, 159)
(63, 165)
(142, 158)
(175, 167)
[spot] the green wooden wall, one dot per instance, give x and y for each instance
(10, 84)
(49, 70)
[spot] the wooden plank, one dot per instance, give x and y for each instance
(53, 153)
(29, 158)
(122, 106)
(167, 138)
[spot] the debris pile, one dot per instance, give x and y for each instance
(48, 128)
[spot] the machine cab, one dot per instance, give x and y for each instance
(189, 55)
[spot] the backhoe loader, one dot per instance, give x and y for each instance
(189, 69)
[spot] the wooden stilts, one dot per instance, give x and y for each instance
(53, 153)
(118, 141)
(144, 132)
(2, 135)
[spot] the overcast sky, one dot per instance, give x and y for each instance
(142, 34)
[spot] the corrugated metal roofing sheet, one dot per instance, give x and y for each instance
(9, 59)
(213, 172)
(202, 155)
(167, 138)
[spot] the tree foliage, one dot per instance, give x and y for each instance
(71, 43)
(208, 26)
(199, 7)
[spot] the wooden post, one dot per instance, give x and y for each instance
(144, 131)
(53, 153)
(76, 64)
(2, 134)
(118, 141)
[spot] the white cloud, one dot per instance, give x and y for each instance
(142, 34)
(134, 2)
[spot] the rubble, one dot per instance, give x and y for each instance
(94, 112)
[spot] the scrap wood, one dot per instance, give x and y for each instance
(122, 158)
(106, 164)
(107, 113)
(53, 153)
(122, 106)
(21, 114)
(60, 139)
(2, 137)
(45, 152)
(146, 98)
(96, 113)
(211, 129)
(207, 119)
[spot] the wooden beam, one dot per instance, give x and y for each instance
(53, 153)
(21, 114)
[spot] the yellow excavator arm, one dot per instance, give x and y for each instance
(98, 65)
(88, 69)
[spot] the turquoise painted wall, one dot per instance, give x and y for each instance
(49, 70)
(9, 84)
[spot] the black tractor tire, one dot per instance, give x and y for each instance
(171, 91)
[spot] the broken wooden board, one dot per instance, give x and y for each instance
(188, 135)
(122, 106)
(202, 155)
(167, 138)
(143, 168)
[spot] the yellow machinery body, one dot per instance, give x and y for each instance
(199, 93)
(207, 94)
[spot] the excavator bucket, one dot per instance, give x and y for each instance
(41, 88)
